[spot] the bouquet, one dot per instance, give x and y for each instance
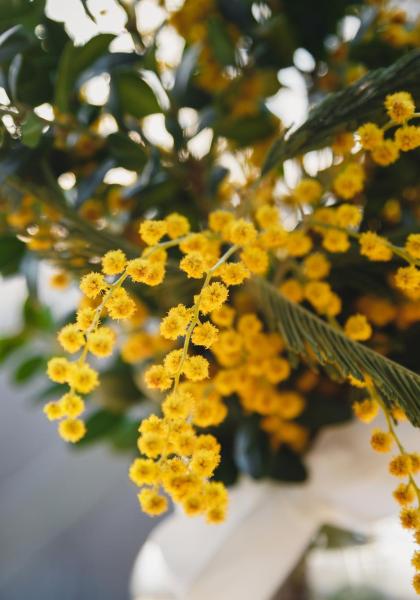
(244, 282)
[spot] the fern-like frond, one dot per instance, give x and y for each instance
(307, 336)
(347, 109)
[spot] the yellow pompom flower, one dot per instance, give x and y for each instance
(386, 153)
(212, 297)
(348, 215)
(350, 181)
(267, 215)
(193, 504)
(101, 341)
(72, 405)
(316, 266)
(307, 191)
(93, 284)
(53, 411)
(204, 334)
(172, 362)
(153, 424)
(176, 322)
(72, 430)
(233, 273)
(71, 338)
(412, 245)
(381, 441)
(59, 280)
(407, 138)
(152, 503)
(404, 494)
(219, 220)
(408, 279)
(416, 583)
(83, 378)
(410, 518)
(195, 242)
(400, 465)
(249, 324)
(242, 232)
(374, 247)
(415, 561)
(336, 241)
(143, 471)
(400, 106)
(216, 515)
(156, 377)
(178, 405)
(255, 259)
(370, 136)
(193, 264)
(142, 270)
(298, 243)
(357, 328)
(113, 262)
(366, 410)
(151, 444)
(120, 305)
(204, 462)
(177, 225)
(276, 369)
(273, 237)
(223, 316)
(85, 318)
(196, 368)
(152, 231)
(318, 293)
(292, 290)
(59, 369)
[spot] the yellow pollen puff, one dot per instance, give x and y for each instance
(177, 225)
(386, 153)
(370, 136)
(408, 278)
(357, 328)
(172, 362)
(292, 290)
(59, 280)
(298, 243)
(410, 518)
(348, 215)
(404, 494)
(72, 405)
(316, 266)
(336, 241)
(142, 270)
(176, 322)
(366, 410)
(153, 424)
(196, 368)
(416, 583)
(255, 259)
(83, 378)
(152, 503)
(195, 242)
(242, 232)
(307, 191)
(374, 247)
(143, 471)
(400, 106)
(178, 405)
(101, 341)
(151, 444)
(53, 411)
(120, 305)
(415, 561)
(233, 273)
(407, 138)
(71, 338)
(381, 441)
(400, 465)
(193, 264)
(267, 215)
(350, 181)
(318, 293)
(113, 262)
(204, 462)
(71, 430)
(412, 245)
(219, 220)
(249, 324)
(59, 369)
(152, 231)
(212, 297)
(156, 377)
(204, 334)
(93, 284)
(223, 316)
(273, 237)
(85, 317)
(415, 462)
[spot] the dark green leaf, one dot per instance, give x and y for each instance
(133, 95)
(101, 425)
(286, 465)
(27, 14)
(125, 435)
(246, 130)
(8, 345)
(126, 152)
(306, 334)
(184, 74)
(348, 108)
(220, 41)
(29, 368)
(251, 449)
(32, 130)
(37, 316)
(12, 251)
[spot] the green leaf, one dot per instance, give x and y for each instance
(286, 465)
(37, 316)
(27, 14)
(29, 368)
(220, 41)
(124, 436)
(100, 425)
(251, 448)
(133, 95)
(306, 336)
(73, 61)
(10, 344)
(126, 152)
(246, 130)
(12, 251)
(32, 130)
(349, 108)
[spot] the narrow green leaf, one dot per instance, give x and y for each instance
(134, 96)
(32, 130)
(29, 368)
(306, 334)
(220, 41)
(100, 425)
(12, 251)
